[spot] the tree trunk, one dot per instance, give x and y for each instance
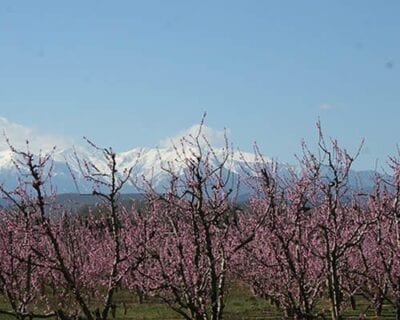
(398, 309)
(378, 308)
(334, 291)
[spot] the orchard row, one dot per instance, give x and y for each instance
(305, 235)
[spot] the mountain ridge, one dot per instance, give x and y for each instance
(147, 163)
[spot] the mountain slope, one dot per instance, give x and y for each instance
(147, 163)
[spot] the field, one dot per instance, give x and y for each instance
(240, 305)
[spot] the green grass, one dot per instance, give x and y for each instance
(240, 305)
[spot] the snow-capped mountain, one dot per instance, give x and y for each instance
(147, 163)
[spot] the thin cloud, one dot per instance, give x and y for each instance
(19, 134)
(326, 106)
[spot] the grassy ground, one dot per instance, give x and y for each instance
(241, 305)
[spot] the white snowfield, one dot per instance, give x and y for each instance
(147, 163)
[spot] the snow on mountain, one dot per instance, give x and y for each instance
(147, 163)
(5, 160)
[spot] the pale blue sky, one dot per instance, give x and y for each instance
(131, 73)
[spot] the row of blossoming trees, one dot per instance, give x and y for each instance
(305, 238)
